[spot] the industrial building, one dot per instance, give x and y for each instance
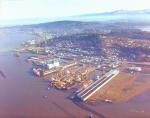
(136, 69)
(86, 93)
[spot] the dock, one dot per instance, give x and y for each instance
(97, 85)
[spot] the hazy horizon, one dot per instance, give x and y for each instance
(14, 12)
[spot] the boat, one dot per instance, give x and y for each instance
(108, 101)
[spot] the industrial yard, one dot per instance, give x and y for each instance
(65, 76)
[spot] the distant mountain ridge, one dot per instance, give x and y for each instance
(147, 11)
(119, 12)
(143, 15)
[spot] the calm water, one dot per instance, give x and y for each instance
(145, 28)
(21, 94)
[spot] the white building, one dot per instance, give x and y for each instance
(138, 69)
(53, 64)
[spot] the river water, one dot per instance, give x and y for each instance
(22, 94)
(145, 28)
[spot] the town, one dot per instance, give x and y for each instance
(75, 62)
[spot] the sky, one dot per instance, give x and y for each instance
(26, 9)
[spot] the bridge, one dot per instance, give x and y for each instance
(95, 86)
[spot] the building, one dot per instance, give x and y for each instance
(52, 64)
(137, 69)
